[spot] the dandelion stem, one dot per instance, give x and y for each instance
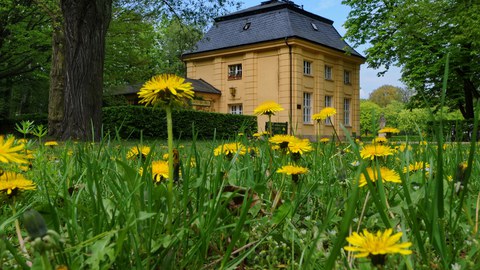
(168, 110)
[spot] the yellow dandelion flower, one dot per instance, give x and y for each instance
(324, 140)
(138, 151)
(229, 149)
(379, 140)
(387, 175)
(159, 170)
(11, 182)
(10, 152)
(281, 139)
(165, 88)
(416, 167)
(376, 246)
(375, 150)
(268, 108)
(292, 170)
(51, 143)
(299, 146)
(324, 114)
(389, 130)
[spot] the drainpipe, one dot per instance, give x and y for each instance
(290, 111)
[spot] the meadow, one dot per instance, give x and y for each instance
(252, 202)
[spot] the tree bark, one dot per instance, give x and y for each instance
(86, 23)
(57, 78)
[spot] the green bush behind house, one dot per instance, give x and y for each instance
(135, 121)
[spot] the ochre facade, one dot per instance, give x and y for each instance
(275, 71)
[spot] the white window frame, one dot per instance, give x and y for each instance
(235, 72)
(347, 106)
(347, 77)
(328, 72)
(307, 67)
(307, 107)
(328, 103)
(235, 109)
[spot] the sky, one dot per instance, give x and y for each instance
(335, 11)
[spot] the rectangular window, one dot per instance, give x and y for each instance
(307, 68)
(328, 103)
(235, 108)
(346, 77)
(307, 108)
(346, 112)
(328, 73)
(235, 72)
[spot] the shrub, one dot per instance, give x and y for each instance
(132, 121)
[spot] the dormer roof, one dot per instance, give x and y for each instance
(271, 20)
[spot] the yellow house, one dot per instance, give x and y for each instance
(276, 51)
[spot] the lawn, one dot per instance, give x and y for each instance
(255, 202)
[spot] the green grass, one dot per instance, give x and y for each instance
(110, 216)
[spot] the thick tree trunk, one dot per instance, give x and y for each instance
(57, 80)
(86, 23)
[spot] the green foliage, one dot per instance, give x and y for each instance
(369, 117)
(391, 111)
(411, 121)
(385, 94)
(134, 121)
(410, 34)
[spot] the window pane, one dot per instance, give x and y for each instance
(307, 108)
(328, 72)
(346, 112)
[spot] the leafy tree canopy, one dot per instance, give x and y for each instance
(418, 36)
(386, 94)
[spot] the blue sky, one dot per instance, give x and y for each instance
(335, 11)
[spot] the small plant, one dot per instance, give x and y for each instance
(25, 127)
(39, 131)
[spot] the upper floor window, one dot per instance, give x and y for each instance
(328, 73)
(235, 72)
(235, 108)
(307, 108)
(346, 112)
(307, 68)
(346, 77)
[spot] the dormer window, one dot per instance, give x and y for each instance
(314, 26)
(235, 72)
(246, 26)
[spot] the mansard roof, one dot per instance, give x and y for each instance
(271, 20)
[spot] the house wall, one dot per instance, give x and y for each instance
(266, 76)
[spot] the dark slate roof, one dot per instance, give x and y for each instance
(198, 86)
(269, 21)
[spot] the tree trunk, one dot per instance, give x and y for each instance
(86, 23)
(57, 78)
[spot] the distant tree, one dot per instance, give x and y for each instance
(386, 94)
(369, 117)
(418, 36)
(413, 121)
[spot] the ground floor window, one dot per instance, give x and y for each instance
(235, 108)
(328, 103)
(346, 112)
(307, 108)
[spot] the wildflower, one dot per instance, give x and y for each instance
(229, 149)
(292, 170)
(460, 176)
(386, 174)
(137, 152)
(375, 150)
(377, 246)
(416, 167)
(159, 170)
(324, 114)
(164, 89)
(11, 183)
(389, 130)
(402, 147)
(9, 153)
(324, 140)
(379, 140)
(268, 108)
(282, 140)
(51, 143)
(299, 146)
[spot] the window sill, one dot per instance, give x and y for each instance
(329, 80)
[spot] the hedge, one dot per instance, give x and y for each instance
(453, 130)
(135, 121)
